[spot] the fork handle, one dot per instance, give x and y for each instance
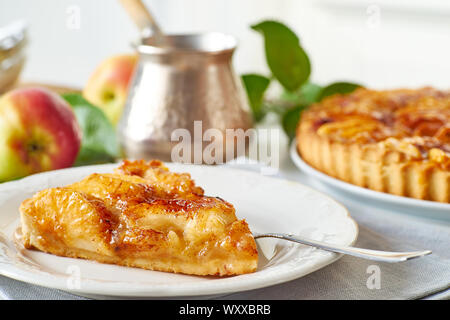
(376, 255)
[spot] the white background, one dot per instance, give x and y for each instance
(376, 43)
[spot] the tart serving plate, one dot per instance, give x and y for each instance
(268, 204)
(409, 205)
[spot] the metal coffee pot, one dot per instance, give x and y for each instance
(188, 79)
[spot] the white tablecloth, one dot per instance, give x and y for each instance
(427, 277)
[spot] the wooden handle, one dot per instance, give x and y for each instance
(141, 17)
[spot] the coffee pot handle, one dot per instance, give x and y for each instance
(143, 19)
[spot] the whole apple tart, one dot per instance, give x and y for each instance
(394, 141)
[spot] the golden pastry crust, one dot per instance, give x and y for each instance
(156, 173)
(395, 141)
(153, 220)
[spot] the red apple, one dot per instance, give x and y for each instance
(107, 88)
(38, 132)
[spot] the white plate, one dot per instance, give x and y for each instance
(409, 205)
(268, 204)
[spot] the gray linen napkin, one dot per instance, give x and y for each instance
(347, 278)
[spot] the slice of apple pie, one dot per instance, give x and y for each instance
(142, 215)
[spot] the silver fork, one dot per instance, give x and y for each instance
(376, 255)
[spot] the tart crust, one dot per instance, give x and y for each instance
(394, 141)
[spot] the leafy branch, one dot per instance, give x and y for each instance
(289, 64)
(99, 143)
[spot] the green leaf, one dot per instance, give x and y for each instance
(256, 85)
(290, 120)
(287, 60)
(99, 143)
(306, 95)
(338, 87)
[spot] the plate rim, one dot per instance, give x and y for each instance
(116, 289)
(357, 190)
